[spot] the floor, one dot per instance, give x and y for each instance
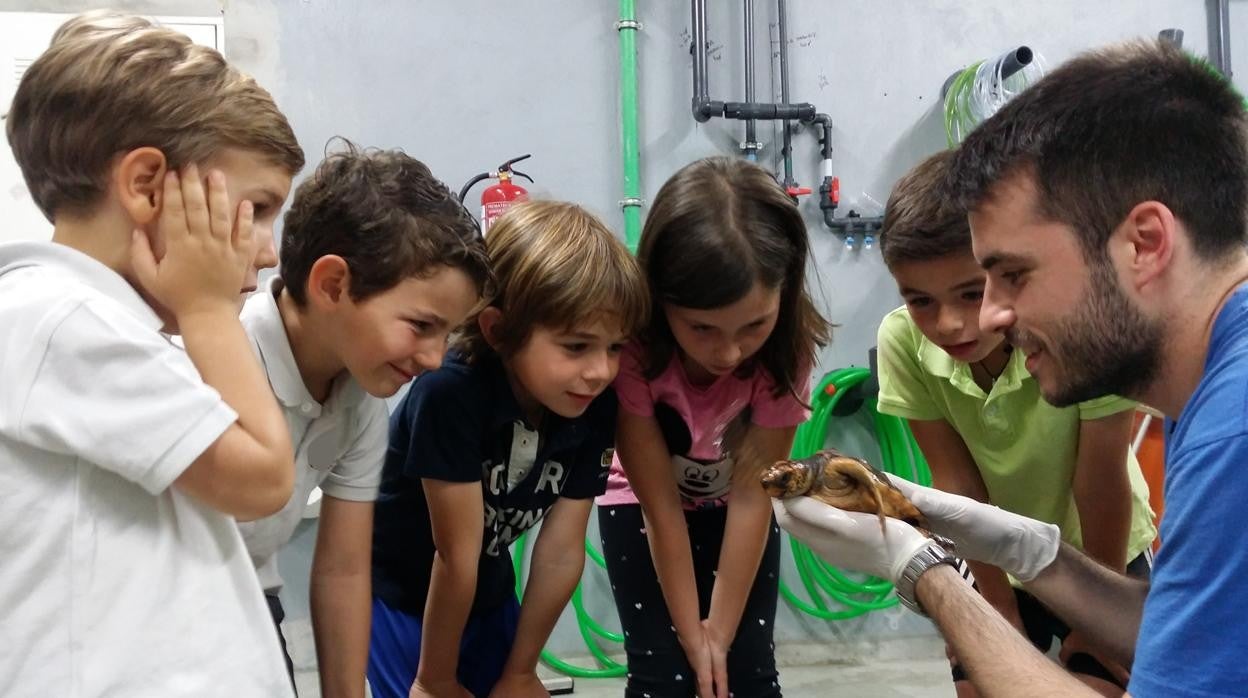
(905, 679)
(923, 678)
(805, 671)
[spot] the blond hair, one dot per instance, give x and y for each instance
(555, 265)
(111, 83)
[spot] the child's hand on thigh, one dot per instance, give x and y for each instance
(718, 642)
(698, 653)
(207, 246)
(516, 685)
(450, 689)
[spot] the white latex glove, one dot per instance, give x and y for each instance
(1021, 546)
(849, 539)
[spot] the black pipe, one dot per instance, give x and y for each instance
(1018, 59)
(744, 111)
(750, 125)
(703, 107)
(830, 220)
(1173, 37)
(786, 150)
(1224, 17)
(853, 223)
(1220, 36)
(827, 204)
(698, 49)
(825, 138)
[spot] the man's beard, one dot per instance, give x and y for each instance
(1105, 347)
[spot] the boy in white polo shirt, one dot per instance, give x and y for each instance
(379, 263)
(124, 460)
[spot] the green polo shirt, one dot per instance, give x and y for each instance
(1024, 447)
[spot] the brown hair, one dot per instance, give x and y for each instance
(556, 265)
(921, 221)
(383, 212)
(717, 227)
(1115, 127)
(110, 83)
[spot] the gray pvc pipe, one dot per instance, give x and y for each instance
(787, 136)
(1223, 34)
(750, 125)
(700, 82)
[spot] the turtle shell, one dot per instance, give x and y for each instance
(842, 481)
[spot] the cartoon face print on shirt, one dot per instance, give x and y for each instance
(698, 479)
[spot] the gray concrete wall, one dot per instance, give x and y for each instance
(465, 84)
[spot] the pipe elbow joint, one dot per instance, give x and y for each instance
(704, 109)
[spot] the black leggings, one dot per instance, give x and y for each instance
(657, 666)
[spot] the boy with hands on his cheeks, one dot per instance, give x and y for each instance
(125, 459)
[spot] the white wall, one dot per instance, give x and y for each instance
(23, 36)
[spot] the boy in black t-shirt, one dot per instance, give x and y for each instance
(510, 431)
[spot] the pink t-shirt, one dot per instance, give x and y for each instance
(693, 420)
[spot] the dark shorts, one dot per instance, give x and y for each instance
(1042, 627)
(394, 649)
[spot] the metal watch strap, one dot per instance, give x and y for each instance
(927, 557)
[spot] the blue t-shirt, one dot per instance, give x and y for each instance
(461, 423)
(1194, 639)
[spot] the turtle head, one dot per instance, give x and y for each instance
(787, 478)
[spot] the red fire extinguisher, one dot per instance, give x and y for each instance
(497, 198)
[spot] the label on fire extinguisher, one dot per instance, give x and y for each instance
(491, 210)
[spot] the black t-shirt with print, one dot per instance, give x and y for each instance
(461, 423)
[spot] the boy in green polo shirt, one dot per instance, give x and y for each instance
(983, 426)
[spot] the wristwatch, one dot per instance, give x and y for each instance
(930, 555)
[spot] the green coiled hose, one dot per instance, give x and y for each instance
(900, 456)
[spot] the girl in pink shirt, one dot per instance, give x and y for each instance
(692, 550)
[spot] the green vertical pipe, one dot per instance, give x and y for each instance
(628, 123)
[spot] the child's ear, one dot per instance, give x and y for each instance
(138, 179)
(489, 321)
(329, 281)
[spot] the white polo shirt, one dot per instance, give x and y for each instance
(339, 445)
(111, 581)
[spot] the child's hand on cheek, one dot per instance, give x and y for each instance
(207, 249)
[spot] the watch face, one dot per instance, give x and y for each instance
(948, 545)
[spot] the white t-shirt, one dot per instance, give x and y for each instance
(112, 582)
(340, 446)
